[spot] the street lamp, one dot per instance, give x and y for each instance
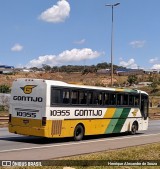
(112, 5)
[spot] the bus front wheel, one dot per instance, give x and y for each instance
(78, 132)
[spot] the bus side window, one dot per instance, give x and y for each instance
(113, 99)
(55, 96)
(95, 98)
(125, 99)
(106, 98)
(119, 99)
(74, 97)
(66, 96)
(100, 99)
(131, 100)
(90, 97)
(82, 97)
(136, 100)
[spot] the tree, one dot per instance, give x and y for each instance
(34, 69)
(154, 86)
(47, 68)
(5, 89)
(4, 102)
(103, 65)
(132, 79)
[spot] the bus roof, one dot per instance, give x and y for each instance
(64, 84)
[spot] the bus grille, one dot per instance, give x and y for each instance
(56, 127)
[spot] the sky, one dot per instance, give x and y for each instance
(78, 32)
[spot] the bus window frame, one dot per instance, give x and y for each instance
(84, 100)
(51, 96)
(60, 104)
(139, 97)
(93, 92)
(127, 103)
(76, 99)
(68, 90)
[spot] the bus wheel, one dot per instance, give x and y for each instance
(78, 132)
(134, 128)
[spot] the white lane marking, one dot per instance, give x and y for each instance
(76, 143)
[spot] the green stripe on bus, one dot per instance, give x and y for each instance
(118, 113)
(114, 120)
(121, 120)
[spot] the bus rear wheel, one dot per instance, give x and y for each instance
(78, 132)
(134, 128)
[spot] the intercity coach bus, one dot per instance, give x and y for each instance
(53, 109)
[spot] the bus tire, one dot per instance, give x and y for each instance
(134, 128)
(78, 132)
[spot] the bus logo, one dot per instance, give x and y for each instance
(134, 113)
(28, 88)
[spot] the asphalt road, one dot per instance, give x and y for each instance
(16, 147)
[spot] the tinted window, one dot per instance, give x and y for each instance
(66, 96)
(136, 100)
(100, 98)
(119, 99)
(82, 97)
(113, 99)
(90, 97)
(106, 98)
(95, 98)
(74, 97)
(131, 100)
(125, 99)
(56, 96)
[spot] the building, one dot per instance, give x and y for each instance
(4, 69)
(126, 71)
(152, 71)
(104, 71)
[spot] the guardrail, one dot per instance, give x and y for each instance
(4, 118)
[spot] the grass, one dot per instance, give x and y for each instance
(145, 152)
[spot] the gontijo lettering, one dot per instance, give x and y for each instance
(77, 112)
(28, 98)
(88, 112)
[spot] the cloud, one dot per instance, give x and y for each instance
(47, 59)
(78, 55)
(17, 48)
(130, 64)
(154, 60)
(68, 56)
(137, 44)
(82, 41)
(156, 66)
(57, 13)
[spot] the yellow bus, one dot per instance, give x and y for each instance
(54, 109)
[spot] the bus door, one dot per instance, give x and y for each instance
(144, 106)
